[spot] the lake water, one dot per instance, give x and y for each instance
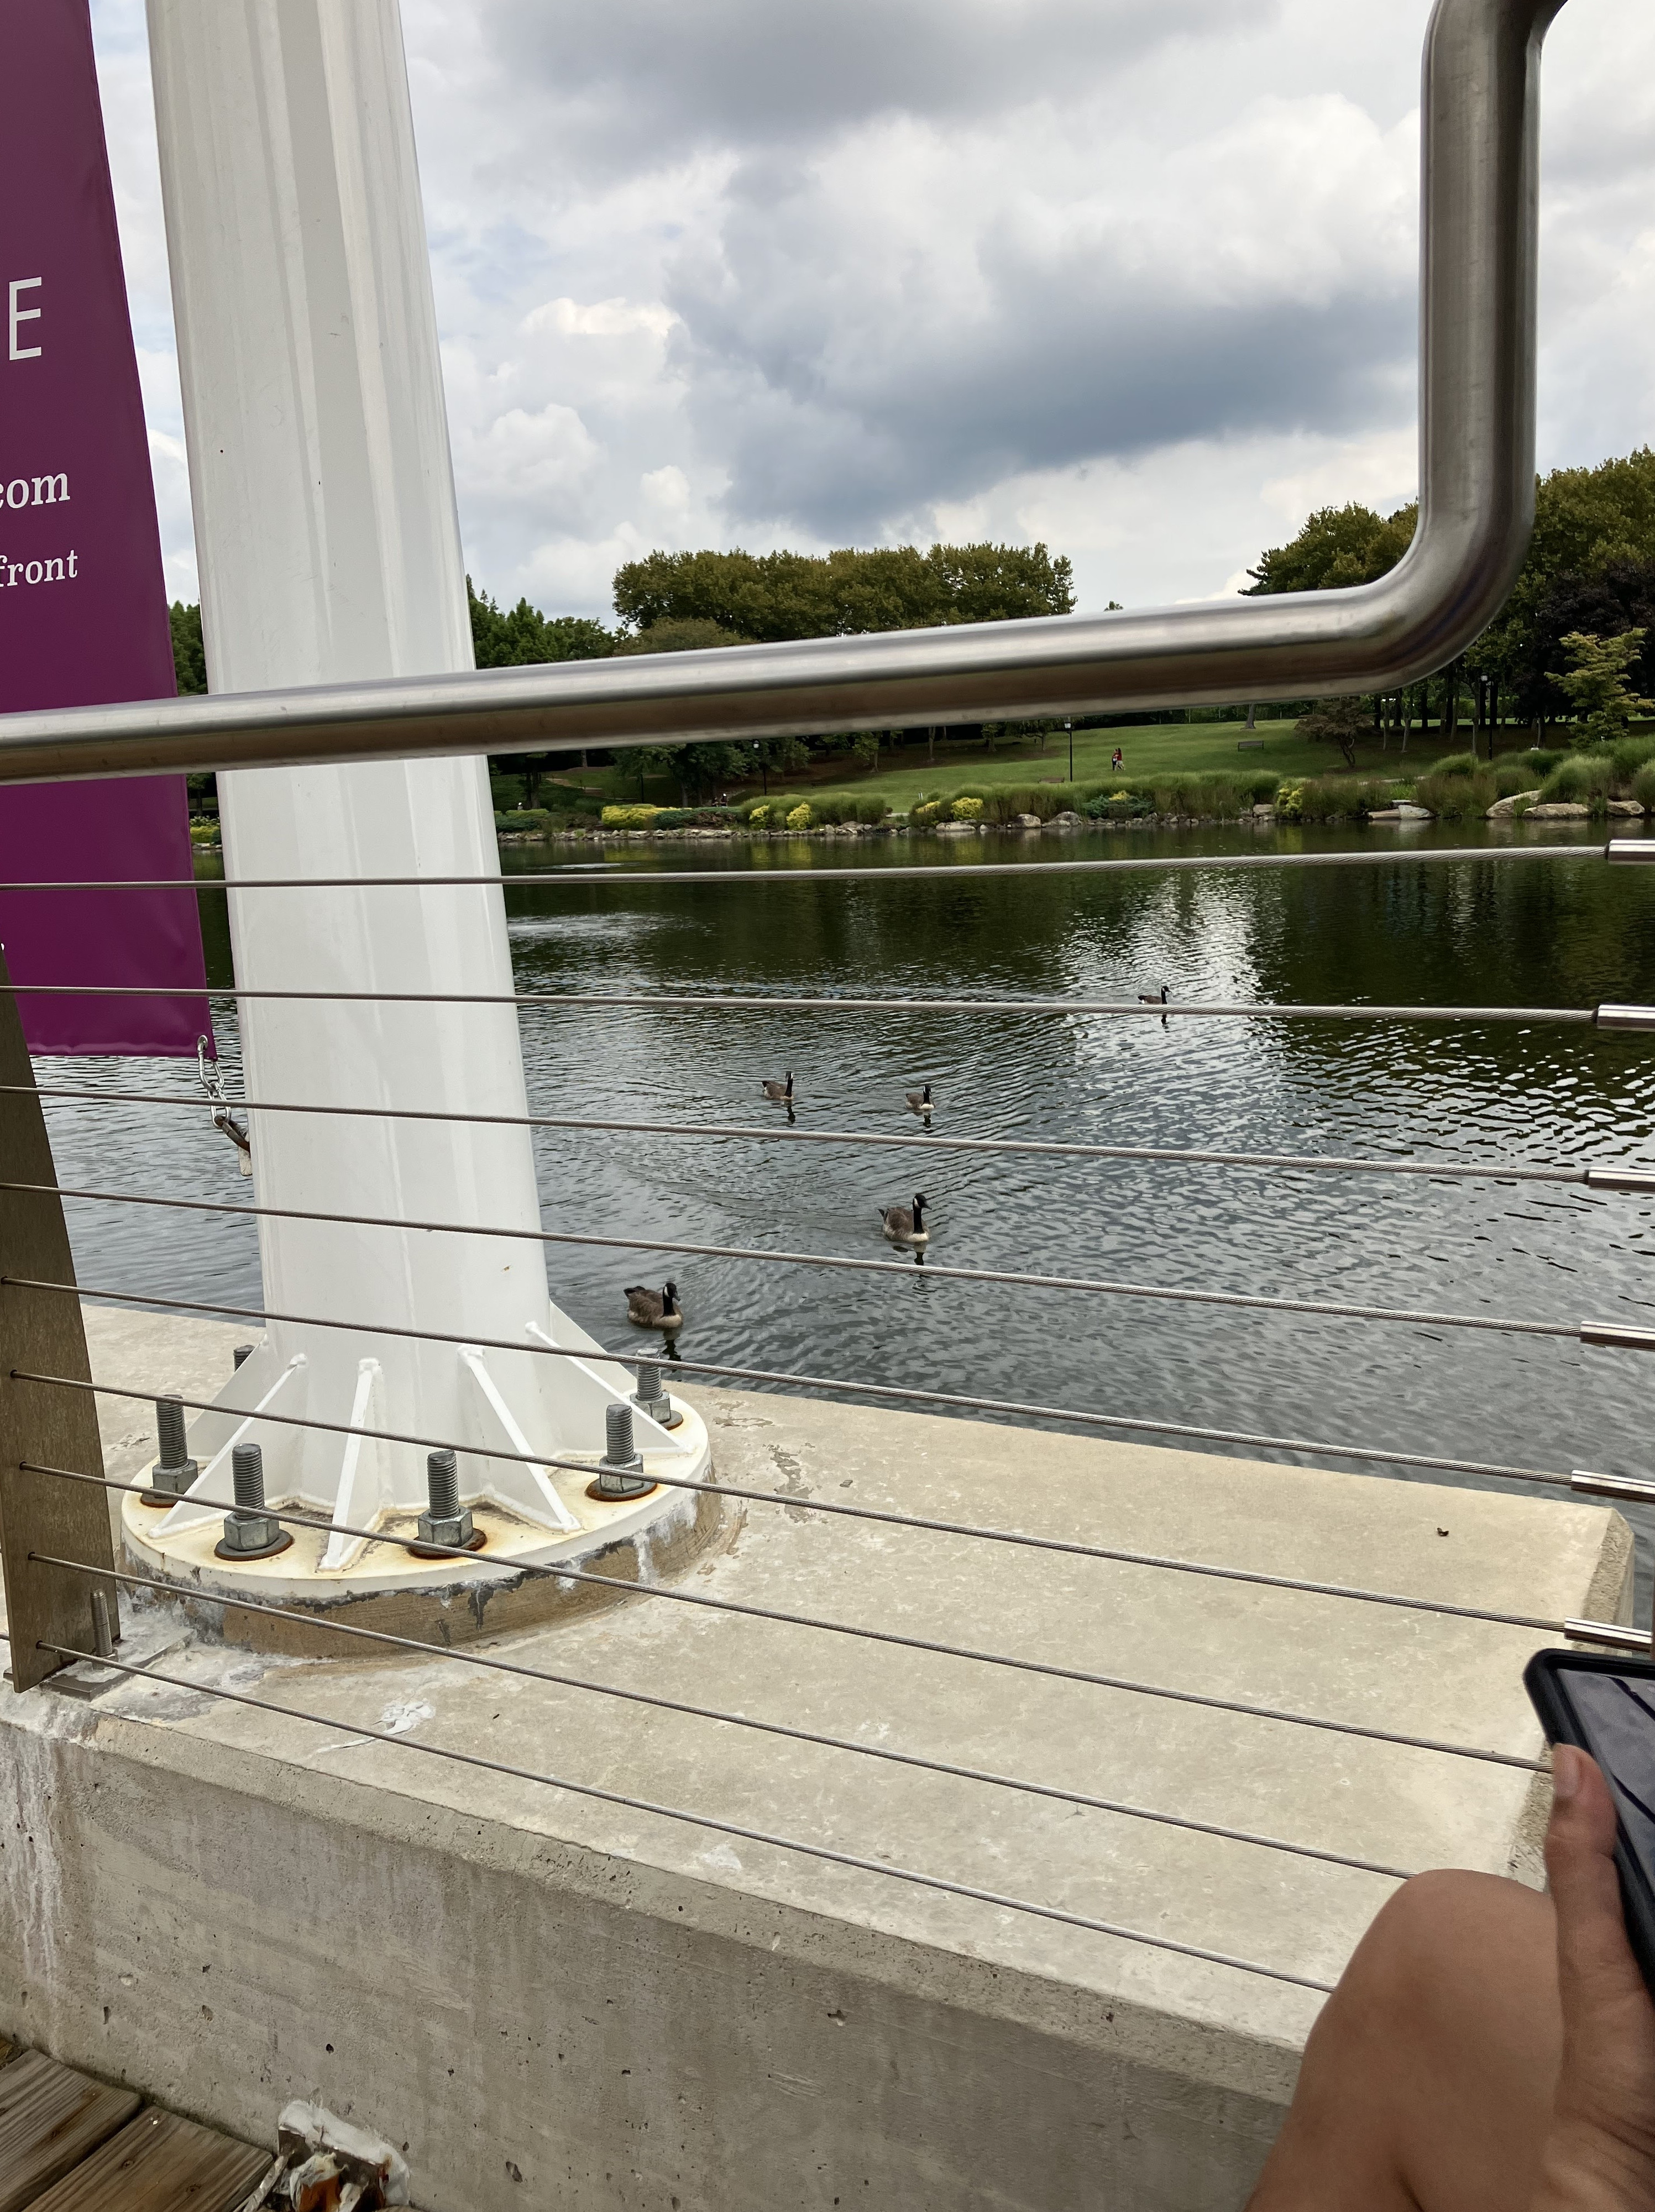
(1534, 933)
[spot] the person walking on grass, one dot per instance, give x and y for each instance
(1117, 762)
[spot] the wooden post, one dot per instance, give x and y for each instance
(40, 1332)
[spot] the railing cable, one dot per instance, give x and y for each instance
(1240, 1301)
(706, 1820)
(905, 1392)
(951, 1768)
(1443, 1171)
(558, 1570)
(778, 1003)
(944, 871)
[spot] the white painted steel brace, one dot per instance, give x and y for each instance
(330, 552)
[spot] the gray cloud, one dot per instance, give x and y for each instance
(847, 367)
(1135, 275)
(637, 83)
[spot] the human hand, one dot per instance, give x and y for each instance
(1600, 2153)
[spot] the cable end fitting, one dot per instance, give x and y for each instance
(1630, 848)
(1615, 1336)
(1640, 1180)
(1626, 1020)
(1612, 1633)
(1612, 1486)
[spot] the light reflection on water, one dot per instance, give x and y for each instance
(1550, 933)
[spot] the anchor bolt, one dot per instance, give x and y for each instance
(651, 1398)
(446, 1522)
(174, 1471)
(620, 1471)
(250, 1533)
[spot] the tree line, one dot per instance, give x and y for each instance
(1580, 616)
(687, 602)
(1576, 637)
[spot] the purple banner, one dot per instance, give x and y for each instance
(84, 616)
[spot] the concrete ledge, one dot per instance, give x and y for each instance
(561, 2002)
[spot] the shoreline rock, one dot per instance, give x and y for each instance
(1504, 809)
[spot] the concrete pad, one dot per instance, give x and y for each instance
(555, 2001)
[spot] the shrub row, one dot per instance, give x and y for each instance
(1462, 787)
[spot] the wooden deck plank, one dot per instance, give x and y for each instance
(51, 2118)
(159, 2163)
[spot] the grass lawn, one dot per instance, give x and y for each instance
(905, 774)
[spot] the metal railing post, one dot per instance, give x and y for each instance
(41, 1331)
(1479, 130)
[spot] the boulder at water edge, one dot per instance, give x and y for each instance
(1504, 809)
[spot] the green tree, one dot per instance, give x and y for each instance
(1337, 548)
(680, 634)
(697, 768)
(1590, 567)
(1597, 686)
(189, 652)
(1341, 722)
(523, 637)
(769, 597)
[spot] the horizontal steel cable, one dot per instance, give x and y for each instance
(905, 1392)
(790, 1498)
(599, 872)
(824, 1742)
(1242, 1301)
(558, 1571)
(1447, 1170)
(1146, 1010)
(708, 1820)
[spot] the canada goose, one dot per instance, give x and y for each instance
(1154, 998)
(781, 1092)
(653, 1309)
(904, 1226)
(919, 1101)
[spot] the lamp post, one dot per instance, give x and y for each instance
(1068, 724)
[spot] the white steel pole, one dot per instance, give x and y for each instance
(330, 551)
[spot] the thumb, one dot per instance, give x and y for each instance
(1608, 2079)
(1592, 1943)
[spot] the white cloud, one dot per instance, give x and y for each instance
(1136, 277)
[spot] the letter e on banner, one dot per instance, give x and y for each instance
(84, 616)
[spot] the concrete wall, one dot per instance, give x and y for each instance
(540, 2025)
(555, 2000)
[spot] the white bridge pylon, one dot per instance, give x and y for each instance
(330, 550)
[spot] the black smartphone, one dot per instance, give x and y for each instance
(1605, 1704)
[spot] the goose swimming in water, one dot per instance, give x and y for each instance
(1154, 998)
(919, 1101)
(781, 1092)
(906, 1225)
(653, 1309)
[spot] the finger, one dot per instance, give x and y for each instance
(1595, 1959)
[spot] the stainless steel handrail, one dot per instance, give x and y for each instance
(1479, 188)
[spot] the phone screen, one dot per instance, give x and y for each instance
(1616, 1715)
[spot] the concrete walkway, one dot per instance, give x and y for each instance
(560, 2003)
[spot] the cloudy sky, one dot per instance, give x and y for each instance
(1133, 276)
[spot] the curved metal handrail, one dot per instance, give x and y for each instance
(1479, 222)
